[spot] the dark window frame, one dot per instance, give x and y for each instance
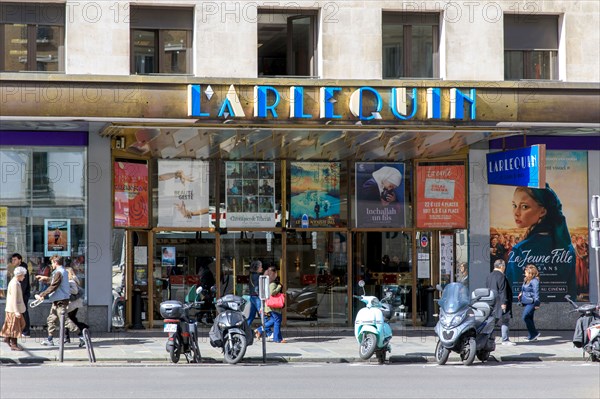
(158, 20)
(534, 33)
(408, 20)
(312, 41)
(34, 16)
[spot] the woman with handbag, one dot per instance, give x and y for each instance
(274, 313)
(529, 297)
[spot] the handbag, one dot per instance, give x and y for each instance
(526, 299)
(276, 301)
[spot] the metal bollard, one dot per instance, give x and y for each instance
(61, 345)
(88, 344)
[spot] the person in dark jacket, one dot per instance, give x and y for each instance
(17, 260)
(497, 282)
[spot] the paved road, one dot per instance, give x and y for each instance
(547, 380)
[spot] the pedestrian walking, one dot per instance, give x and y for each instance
(497, 282)
(59, 293)
(529, 297)
(14, 322)
(17, 260)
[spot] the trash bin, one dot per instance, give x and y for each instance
(137, 310)
(430, 309)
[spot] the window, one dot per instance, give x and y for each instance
(32, 37)
(410, 45)
(530, 47)
(287, 43)
(45, 209)
(161, 40)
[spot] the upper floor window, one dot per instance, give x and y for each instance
(32, 37)
(530, 46)
(410, 45)
(161, 40)
(287, 43)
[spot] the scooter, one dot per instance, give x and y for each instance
(230, 330)
(465, 326)
(303, 302)
(371, 327)
(118, 308)
(182, 329)
(587, 329)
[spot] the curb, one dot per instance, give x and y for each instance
(396, 359)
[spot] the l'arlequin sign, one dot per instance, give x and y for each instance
(343, 103)
(522, 167)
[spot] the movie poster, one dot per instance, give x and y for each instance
(250, 194)
(131, 194)
(441, 195)
(183, 193)
(545, 227)
(379, 195)
(315, 194)
(57, 237)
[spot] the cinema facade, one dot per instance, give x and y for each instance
(162, 177)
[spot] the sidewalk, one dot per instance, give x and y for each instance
(329, 345)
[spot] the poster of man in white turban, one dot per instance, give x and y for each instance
(379, 194)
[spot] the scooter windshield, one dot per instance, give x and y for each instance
(454, 297)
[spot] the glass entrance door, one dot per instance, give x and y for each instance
(317, 278)
(384, 261)
(238, 250)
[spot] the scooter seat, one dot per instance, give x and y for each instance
(482, 310)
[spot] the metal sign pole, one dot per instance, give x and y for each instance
(263, 293)
(595, 238)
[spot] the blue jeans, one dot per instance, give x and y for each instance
(528, 312)
(274, 322)
(254, 308)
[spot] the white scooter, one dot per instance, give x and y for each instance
(371, 329)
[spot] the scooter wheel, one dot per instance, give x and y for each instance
(441, 354)
(469, 351)
(174, 354)
(367, 346)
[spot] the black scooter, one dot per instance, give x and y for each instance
(587, 329)
(182, 329)
(230, 330)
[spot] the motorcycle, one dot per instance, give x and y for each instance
(230, 330)
(371, 327)
(303, 302)
(465, 326)
(587, 329)
(118, 308)
(182, 329)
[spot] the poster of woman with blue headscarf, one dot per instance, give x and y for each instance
(543, 228)
(379, 194)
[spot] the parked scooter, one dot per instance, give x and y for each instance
(371, 327)
(182, 329)
(118, 308)
(465, 326)
(587, 329)
(230, 330)
(303, 302)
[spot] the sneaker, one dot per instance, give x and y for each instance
(507, 342)
(535, 338)
(270, 338)
(81, 342)
(48, 342)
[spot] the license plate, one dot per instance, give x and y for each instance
(170, 328)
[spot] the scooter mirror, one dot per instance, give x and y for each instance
(199, 290)
(361, 283)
